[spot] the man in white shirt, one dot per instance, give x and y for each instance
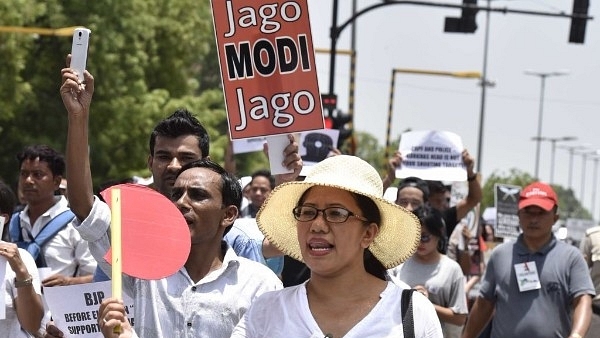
(211, 292)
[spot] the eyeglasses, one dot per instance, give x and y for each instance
(425, 238)
(305, 213)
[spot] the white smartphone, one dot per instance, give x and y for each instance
(79, 49)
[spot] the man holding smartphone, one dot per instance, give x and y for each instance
(169, 152)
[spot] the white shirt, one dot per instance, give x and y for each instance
(175, 306)
(10, 326)
(66, 253)
(285, 313)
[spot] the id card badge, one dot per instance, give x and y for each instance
(527, 276)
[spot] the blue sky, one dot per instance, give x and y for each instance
(410, 36)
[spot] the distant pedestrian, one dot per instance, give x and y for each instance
(536, 286)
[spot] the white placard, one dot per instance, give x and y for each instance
(276, 145)
(3, 267)
(248, 145)
(44, 273)
(74, 308)
(432, 155)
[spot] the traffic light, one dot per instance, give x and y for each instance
(329, 102)
(466, 23)
(339, 121)
(577, 32)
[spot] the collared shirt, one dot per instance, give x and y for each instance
(10, 326)
(66, 253)
(175, 306)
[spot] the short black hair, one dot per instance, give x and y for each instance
(436, 187)
(415, 182)
(264, 173)
(8, 200)
(231, 190)
(55, 160)
(181, 123)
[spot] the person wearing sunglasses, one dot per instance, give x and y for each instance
(338, 223)
(436, 276)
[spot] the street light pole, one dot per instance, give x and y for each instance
(553, 141)
(571, 150)
(595, 180)
(584, 154)
(464, 75)
(542, 76)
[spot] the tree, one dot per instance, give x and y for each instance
(148, 57)
(569, 206)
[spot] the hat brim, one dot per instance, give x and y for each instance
(543, 203)
(398, 237)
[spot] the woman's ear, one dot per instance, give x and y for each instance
(369, 235)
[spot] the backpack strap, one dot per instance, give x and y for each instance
(48, 232)
(407, 313)
(14, 228)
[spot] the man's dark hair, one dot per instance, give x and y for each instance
(267, 174)
(181, 123)
(231, 189)
(416, 182)
(436, 187)
(55, 160)
(8, 201)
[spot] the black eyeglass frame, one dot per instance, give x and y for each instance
(348, 213)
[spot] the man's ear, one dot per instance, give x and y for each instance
(149, 162)
(231, 213)
(56, 180)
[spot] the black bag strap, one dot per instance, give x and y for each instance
(407, 313)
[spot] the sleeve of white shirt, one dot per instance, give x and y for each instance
(94, 229)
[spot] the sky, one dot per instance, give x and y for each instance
(412, 36)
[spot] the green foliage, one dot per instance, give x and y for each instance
(569, 206)
(148, 58)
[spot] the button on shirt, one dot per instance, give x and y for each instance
(175, 306)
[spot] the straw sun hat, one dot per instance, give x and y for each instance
(399, 231)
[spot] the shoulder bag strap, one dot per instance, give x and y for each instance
(407, 313)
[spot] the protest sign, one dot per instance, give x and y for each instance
(506, 200)
(74, 308)
(248, 145)
(432, 155)
(3, 267)
(316, 145)
(267, 67)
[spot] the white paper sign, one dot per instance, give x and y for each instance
(44, 273)
(3, 267)
(276, 145)
(74, 308)
(2, 220)
(315, 145)
(432, 155)
(248, 145)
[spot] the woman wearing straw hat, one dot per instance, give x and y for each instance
(337, 222)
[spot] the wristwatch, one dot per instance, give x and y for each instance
(21, 283)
